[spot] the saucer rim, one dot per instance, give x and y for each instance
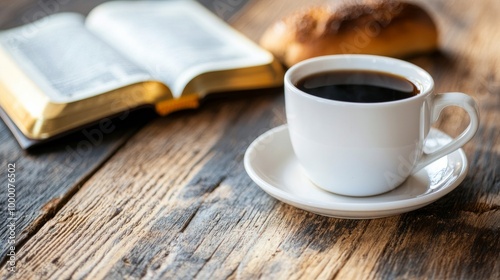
(409, 203)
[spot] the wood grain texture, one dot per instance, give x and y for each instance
(48, 176)
(175, 201)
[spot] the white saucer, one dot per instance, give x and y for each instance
(272, 165)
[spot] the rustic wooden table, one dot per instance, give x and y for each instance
(170, 198)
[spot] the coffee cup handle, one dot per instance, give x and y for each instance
(438, 103)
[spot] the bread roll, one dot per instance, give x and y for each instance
(389, 28)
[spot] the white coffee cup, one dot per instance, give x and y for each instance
(363, 149)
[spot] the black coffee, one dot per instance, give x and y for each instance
(358, 86)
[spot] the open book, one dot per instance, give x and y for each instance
(65, 71)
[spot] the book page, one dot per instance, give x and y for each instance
(67, 61)
(174, 40)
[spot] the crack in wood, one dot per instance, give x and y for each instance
(189, 219)
(206, 260)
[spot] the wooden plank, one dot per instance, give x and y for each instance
(175, 202)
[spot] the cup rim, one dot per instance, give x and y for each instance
(427, 88)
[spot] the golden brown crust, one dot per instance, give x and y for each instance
(382, 27)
